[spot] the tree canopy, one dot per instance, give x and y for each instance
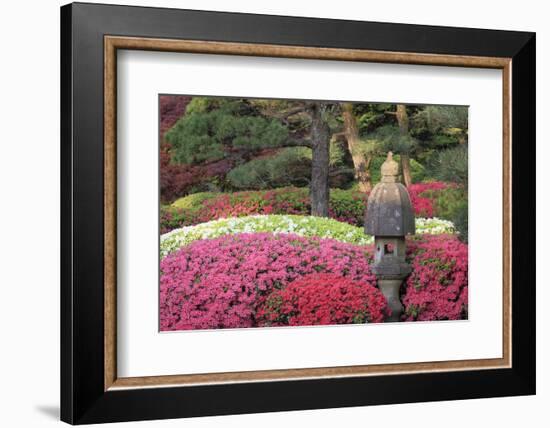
(270, 143)
(216, 128)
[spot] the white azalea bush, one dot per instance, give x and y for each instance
(296, 224)
(434, 226)
(306, 226)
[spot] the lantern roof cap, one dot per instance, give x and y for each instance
(389, 208)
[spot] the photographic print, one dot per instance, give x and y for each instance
(278, 212)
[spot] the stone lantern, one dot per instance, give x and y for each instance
(389, 218)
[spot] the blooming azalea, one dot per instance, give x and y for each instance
(299, 225)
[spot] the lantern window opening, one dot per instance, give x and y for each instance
(389, 249)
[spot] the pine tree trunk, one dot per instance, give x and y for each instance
(320, 141)
(361, 162)
(403, 122)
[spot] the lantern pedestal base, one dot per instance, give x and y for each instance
(390, 290)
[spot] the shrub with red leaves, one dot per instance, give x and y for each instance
(172, 107)
(437, 288)
(178, 180)
(175, 180)
(324, 299)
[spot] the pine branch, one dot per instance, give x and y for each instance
(292, 142)
(292, 112)
(341, 171)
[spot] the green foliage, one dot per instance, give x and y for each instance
(447, 201)
(336, 156)
(438, 118)
(200, 105)
(452, 204)
(452, 165)
(418, 171)
(432, 129)
(193, 201)
(214, 127)
(237, 131)
(371, 116)
(375, 166)
(389, 138)
(437, 128)
(460, 220)
(347, 204)
(444, 140)
(290, 166)
(366, 148)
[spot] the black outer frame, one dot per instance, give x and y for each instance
(83, 399)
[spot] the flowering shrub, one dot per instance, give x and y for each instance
(240, 281)
(307, 226)
(422, 196)
(433, 226)
(322, 299)
(220, 283)
(193, 201)
(344, 205)
(437, 288)
(299, 225)
(285, 200)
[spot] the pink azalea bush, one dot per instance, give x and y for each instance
(437, 288)
(324, 299)
(240, 281)
(221, 283)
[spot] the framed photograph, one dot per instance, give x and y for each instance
(266, 213)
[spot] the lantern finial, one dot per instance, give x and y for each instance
(390, 170)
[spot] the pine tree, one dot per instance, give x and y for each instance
(238, 129)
